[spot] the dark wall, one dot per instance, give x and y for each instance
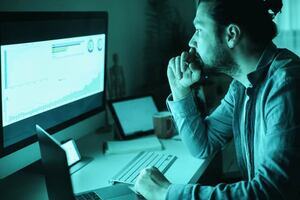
(127, 29)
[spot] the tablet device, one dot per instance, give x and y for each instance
(133, 116)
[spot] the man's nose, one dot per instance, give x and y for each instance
(192, 42)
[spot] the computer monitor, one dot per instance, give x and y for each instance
(52, 74)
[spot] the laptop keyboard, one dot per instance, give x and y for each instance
(143, 160)
(88, 196)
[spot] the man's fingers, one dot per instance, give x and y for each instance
(140, 179)
(196, 72)
(151, 184)
(183, 62)
(194, 67)
(177, 68)
(147, 171)
(181, 73)
(171, 68)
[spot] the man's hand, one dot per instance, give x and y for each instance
(183, 72)
(152, 184)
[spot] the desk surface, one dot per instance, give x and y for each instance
(31, 186)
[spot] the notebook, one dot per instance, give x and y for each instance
(151, 143)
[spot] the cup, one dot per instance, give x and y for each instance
(163, 124)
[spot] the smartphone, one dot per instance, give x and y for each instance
(73, 155)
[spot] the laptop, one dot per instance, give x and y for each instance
(58, 180)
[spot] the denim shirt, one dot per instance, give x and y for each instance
(268, 150)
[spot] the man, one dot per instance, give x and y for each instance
(261, 110)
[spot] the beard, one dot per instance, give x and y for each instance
(221, 61)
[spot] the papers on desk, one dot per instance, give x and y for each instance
(135, 145)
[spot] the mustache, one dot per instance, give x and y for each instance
(194, 57)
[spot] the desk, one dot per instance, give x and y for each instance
(31, 186)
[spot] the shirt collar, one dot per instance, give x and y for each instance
(263, 65)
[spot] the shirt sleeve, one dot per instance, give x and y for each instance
(198, 134)
(277, 175)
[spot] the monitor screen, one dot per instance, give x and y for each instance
(52, 72)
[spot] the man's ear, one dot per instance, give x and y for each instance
(233, 35)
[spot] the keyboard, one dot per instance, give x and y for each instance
(88, 196)
(141, 161)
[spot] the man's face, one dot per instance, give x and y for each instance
(210, 46)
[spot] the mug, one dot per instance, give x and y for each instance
(163, 124)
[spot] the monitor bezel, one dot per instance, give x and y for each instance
(57, 15)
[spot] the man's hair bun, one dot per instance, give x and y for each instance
(273, 6)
